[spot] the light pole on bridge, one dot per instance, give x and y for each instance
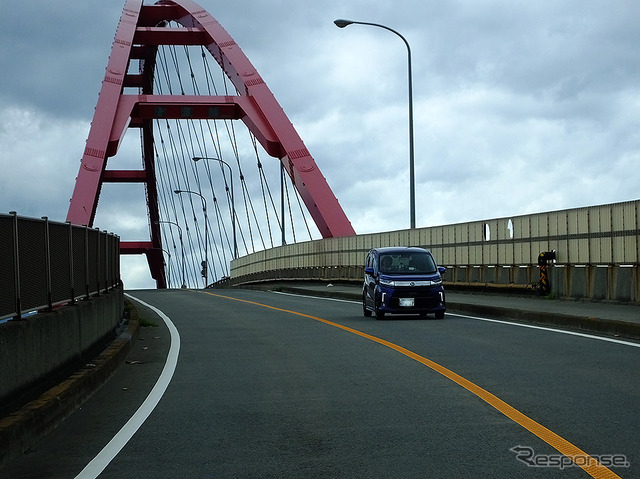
(169, 269)
(233, 203)
(184, 284)
(205, 263)
(341, 23)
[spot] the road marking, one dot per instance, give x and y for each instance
(104, 457)
(592, 467)
(553, 330)
(324, 298)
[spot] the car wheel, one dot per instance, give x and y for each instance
(365, 311)
(440, 315)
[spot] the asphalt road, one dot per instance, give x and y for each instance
(274, 386)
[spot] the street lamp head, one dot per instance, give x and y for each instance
(177, 192)
(198, 158)
(341, 23)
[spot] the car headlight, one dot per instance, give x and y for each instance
(387, 282)
(436, 282)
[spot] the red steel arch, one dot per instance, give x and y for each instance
(142, 28)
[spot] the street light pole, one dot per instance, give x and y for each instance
(184, 285)
(412, 191)
(206, 233)
(233, 202)
(169, 269)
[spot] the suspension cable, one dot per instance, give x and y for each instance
(177, 142)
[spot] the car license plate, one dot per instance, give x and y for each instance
(407, 302)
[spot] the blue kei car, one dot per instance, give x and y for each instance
(402, 280)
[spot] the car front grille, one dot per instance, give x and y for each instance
(428, 299)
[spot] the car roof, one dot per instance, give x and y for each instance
(400, 249)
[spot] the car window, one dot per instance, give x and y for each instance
(407, 263)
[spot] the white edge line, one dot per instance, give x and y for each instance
(314, 297)
(106, 455)
(508, 323)
(553, 330)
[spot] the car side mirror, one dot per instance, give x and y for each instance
(442, 269)
(368, 270)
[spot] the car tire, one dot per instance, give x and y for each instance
(365, 311)
(440, 315)
(379, 314)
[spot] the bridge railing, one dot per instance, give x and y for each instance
(597, 250)
(45, 263)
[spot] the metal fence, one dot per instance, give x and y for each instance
(45, 264)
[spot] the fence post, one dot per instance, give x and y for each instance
(106, 261)
(86, 262)
(72, 288)
(47, 262)
(16, 265)
(97, 260)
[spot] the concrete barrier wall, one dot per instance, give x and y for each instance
(598, 252)
(33, 349)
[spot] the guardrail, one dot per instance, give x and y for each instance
(597, 250)
(46, 264)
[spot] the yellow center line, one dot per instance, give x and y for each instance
(582, 459)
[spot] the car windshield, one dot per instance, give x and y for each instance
(407, 263)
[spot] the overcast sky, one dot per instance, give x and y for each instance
(520, 107)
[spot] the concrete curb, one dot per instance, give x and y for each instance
(607, 327)
(20, 430)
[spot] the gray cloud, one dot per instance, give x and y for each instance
(519, 106)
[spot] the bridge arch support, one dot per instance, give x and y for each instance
(127, 100)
